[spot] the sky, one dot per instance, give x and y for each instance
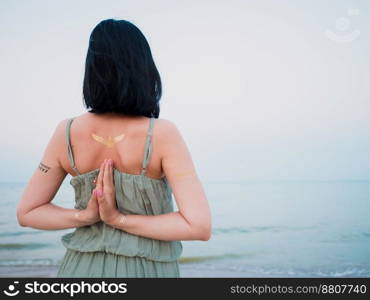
(259, 89)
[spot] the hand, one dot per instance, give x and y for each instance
(90, 215)
(106, 193)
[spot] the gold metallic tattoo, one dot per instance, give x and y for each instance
(43, 168)
(110, 142)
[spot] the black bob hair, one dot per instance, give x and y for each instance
(120, 74)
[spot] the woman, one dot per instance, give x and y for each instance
(125, 163)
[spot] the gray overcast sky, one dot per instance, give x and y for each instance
(261, 90)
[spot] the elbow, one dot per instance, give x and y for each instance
(21, 218)
(207, 234)
(204, 232)
(21, 222)
(200, 228)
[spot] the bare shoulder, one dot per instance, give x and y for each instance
(60, 129)
(166, 130)
(170, 142)
(58, 137)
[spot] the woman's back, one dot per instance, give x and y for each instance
(127, 152)
(135, 194)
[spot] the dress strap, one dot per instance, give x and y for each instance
(148, 146)
(69, 148)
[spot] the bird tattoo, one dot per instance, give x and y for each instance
(110, 141)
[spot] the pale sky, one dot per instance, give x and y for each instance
(260, 90)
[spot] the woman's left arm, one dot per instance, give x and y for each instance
(192, 221)
(35, 208)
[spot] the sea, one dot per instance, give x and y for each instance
(260, 229)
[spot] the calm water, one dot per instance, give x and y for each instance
(259, 228)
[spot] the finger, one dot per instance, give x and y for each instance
(99, 182)
(93, 194)
(94, 197)
(107, 179)
(110, 173)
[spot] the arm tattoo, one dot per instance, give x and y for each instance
(44, 168)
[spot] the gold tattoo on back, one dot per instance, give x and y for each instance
(110, 141)
(44, 168)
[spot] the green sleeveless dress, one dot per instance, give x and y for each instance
(100, 250)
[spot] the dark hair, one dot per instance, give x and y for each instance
(120, 74)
